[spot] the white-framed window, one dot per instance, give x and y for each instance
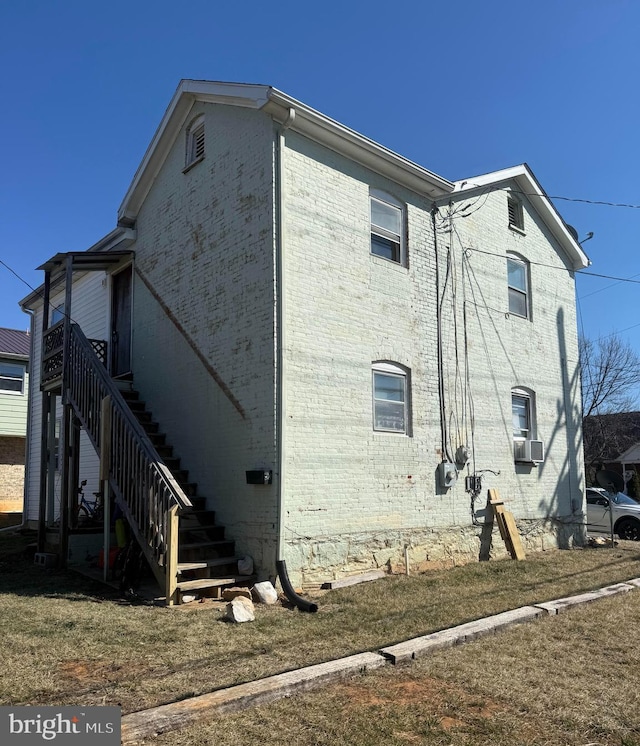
(195, 141)
(515, 212)
(390, 384)
(518, 282)
(522, 411)
(388, 238)
(12, 378)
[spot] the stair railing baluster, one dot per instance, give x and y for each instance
(144, 487)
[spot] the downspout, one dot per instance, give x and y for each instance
(281, 566)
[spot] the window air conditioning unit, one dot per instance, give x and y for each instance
(531, 451)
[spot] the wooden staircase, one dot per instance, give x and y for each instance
(206, 559)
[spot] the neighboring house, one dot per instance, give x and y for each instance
(335, 350)
(612, 441)
(14, 385)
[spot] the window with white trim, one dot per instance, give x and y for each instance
(390, 398)
(522, 417)
(387, 227)
(12, 378)
(515, 212)
(518, 282)
(195, 141)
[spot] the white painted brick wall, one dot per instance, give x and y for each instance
(205, 244)
(355, 497)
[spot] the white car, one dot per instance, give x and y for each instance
(626, 513)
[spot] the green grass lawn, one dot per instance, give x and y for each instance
(68, 640)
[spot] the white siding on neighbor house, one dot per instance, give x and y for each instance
(203, 339)
(355, 497)
(89, 309)
(13, 406)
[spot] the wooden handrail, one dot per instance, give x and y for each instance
(145, 489)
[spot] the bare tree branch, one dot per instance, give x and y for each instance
(610, 385)
(610, 375)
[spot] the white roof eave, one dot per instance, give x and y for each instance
(307, 122)
(531, 188)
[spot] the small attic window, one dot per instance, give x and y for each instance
(516, 213)
(195, 142)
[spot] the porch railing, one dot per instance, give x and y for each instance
(144, 487)
(52, 353)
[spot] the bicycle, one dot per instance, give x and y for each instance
(92, 510)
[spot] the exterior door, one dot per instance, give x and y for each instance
(120, 358)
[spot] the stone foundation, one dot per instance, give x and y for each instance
(314, 561)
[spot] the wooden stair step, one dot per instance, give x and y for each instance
(204, 564)
(190, 489)
(202, 544)
(136, 405)
(157, 439)
(199, 503)
(198, 517)
(192, 585)
(186, 526)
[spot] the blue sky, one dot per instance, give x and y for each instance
(462, 88)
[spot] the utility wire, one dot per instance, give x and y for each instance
(579, 273)
(35, 290)
(558, 197)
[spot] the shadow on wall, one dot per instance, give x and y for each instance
(566, 500)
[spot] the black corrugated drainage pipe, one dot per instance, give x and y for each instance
(301, 603)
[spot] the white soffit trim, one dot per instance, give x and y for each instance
(531, 188)
(308, 122)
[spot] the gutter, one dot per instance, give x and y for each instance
(330, 133)
(27, 455)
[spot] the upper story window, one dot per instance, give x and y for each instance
(518, 281)
(12, 378)
(387, 227)
(390, 398)
(195, 142)
(516, 213)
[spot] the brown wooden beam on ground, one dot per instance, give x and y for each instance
(507, 525)
(148, 723)
(354, 579)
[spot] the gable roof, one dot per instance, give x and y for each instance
(529, 186)
(14, 343)
(285, 110)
